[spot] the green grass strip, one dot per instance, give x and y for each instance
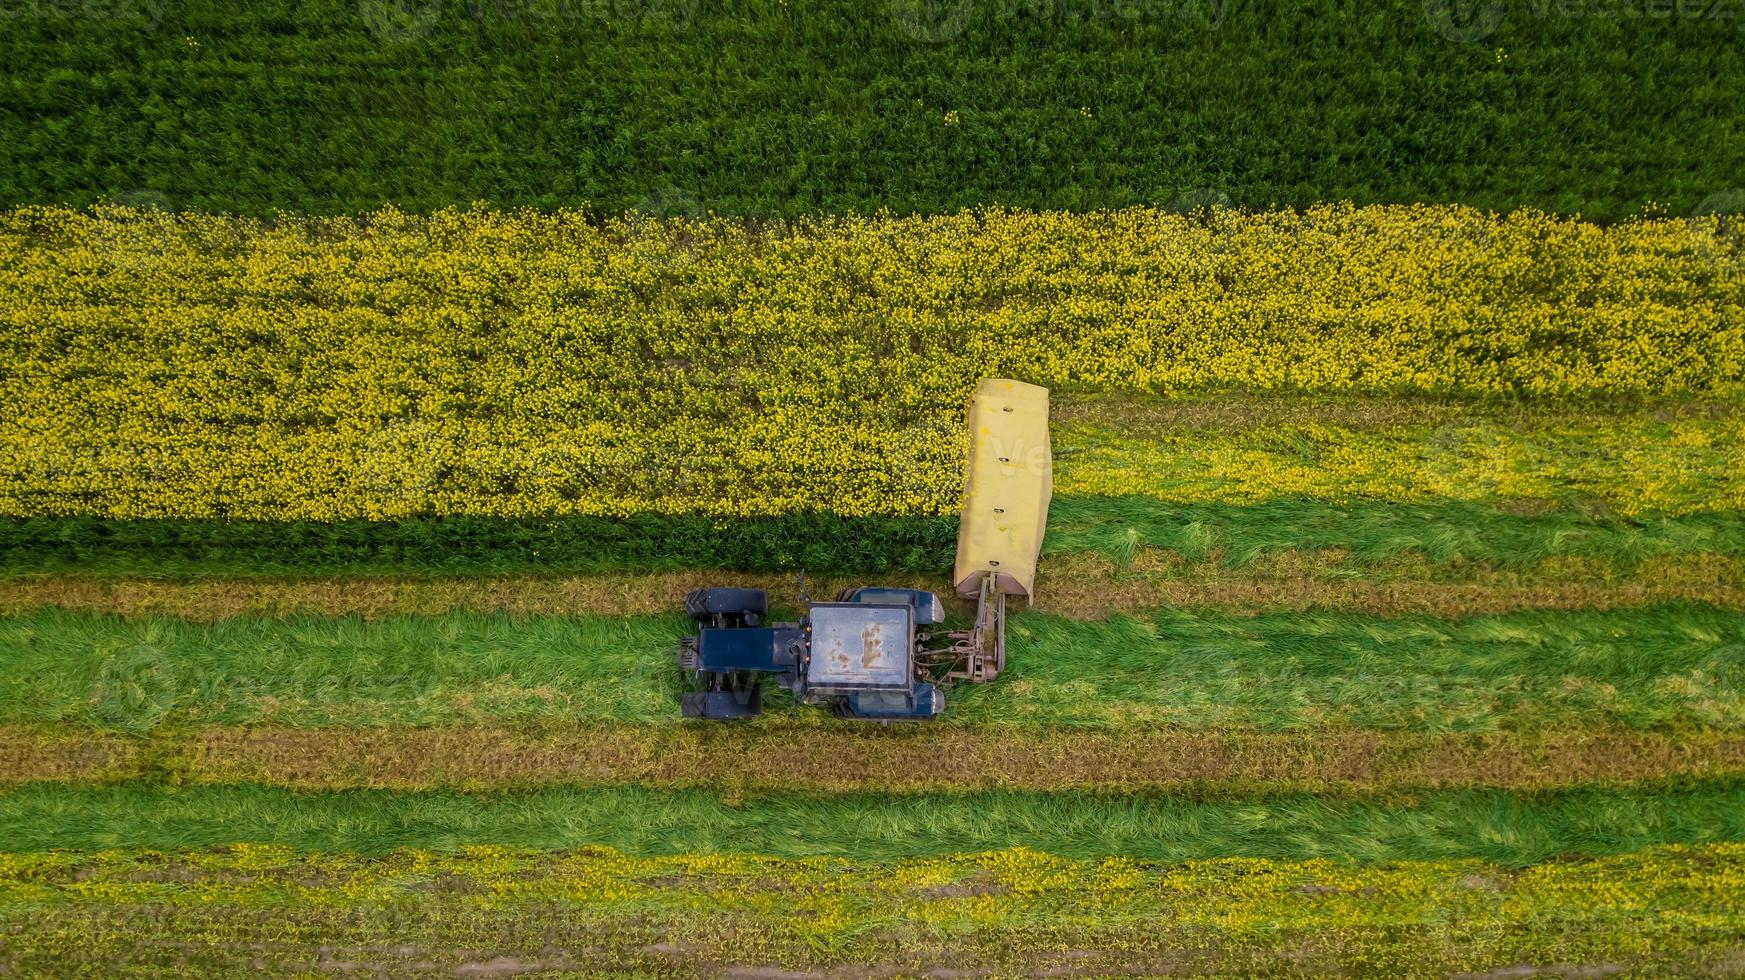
(1494, 826)
(1375, 534)
(1652, 668)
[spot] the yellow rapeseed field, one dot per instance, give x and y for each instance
(518, 363)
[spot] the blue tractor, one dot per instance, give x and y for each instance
(885, 653)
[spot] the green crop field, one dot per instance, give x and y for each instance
(379, 377)
(783, 107)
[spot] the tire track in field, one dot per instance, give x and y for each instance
(893, 760)
(1078, 586)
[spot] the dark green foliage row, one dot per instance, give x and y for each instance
(1495, 826)
(771, 107)
(818, 542)
(1375, 533)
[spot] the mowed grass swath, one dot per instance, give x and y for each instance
(254, 907)
(519, 363)
(1669, 669)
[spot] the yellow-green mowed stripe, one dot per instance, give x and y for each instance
(499, 910)
(1630, 467)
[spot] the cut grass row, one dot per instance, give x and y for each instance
(847, 760)
(1658, 668)
(1515, 829)
(1373, 537)
(497, 911)
(1076, 586)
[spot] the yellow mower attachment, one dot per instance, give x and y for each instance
(1007, 485)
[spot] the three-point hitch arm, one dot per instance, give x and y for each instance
(976, 654)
